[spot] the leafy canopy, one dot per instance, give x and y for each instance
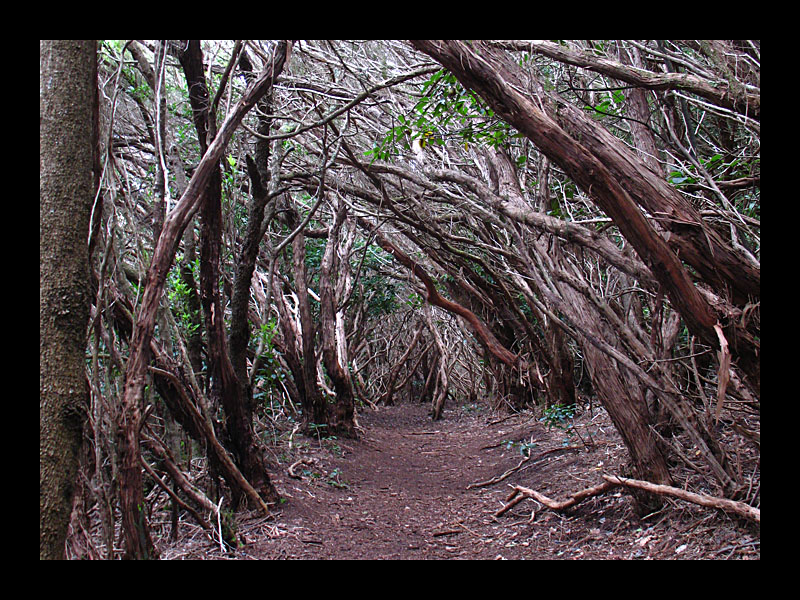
(446, 111)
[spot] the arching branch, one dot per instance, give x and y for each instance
(497, 349)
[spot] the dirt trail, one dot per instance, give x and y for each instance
(405, 494)
(410, 489)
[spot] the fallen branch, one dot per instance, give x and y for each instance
(519, 493)
(302, 461)
(740, 508)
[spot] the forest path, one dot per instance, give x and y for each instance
(402, 491)
(407, 490)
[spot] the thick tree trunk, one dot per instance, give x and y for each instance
(616, 181)
(67, 97)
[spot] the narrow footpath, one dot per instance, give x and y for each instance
(413, 489)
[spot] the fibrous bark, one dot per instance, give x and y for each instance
(233, 391)
(616, 181)
(342, 421)
(132, 501)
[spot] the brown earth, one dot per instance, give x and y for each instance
(414, 489)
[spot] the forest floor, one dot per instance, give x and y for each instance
(413, 489)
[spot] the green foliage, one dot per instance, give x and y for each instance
(335, 479)
(271, 370)
(446, 112)
(381, 294)
(523, 447)
(610, 104)
(271, 374)
(179, 292)
(317, 429)
(414, 300)
(560, 416)
(720, 169)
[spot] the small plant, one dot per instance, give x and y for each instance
(316, 429)
(334, 446)
(560, 416)
(334, 479)
(271, 372)
(524, 447)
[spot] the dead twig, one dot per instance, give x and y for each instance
(521, 492)
(302, 461)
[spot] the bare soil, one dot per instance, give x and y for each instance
(415, 489)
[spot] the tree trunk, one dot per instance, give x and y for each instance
(231, 390)
(314, 408)
(440, 379)
(621, 394)
(342, 421)
(258, 170)
(616, 181)
(67, 97)
(132, 500)
(561, 378)
(388, 396)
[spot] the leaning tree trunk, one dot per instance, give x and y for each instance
(230, 390)
(618, 182)
(137, 537)
(621, 394)
(67, 96)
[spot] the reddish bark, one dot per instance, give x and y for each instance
(497, 350)
(613, 178)
(132, 502)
